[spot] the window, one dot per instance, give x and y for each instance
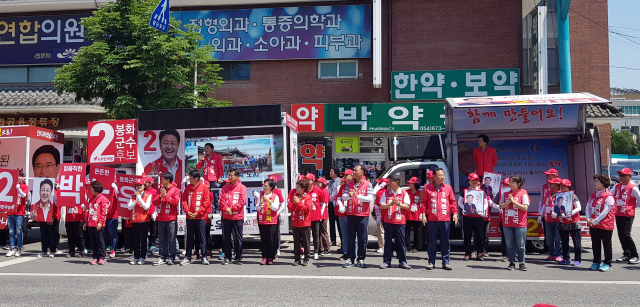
(27, 74)
(338, 69)
(235, 71)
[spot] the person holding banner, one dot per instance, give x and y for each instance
(195, 203)
(167, 207)
(438, 204)
(394, 204)
(233, 202)
(472, 221)
(95, 221)
(514, 222)
(300, 207)
(139, 205)
(570, 225)
(551, 220)
(15, 218)
(601, 212)
(42, 212)
(267, 204)
(626, 194)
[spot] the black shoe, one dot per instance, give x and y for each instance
(343, 257)
(296, 263)
(522, 267)
(512, 266)
(634, 260)
(623, 259)
(305, 263)
(340, 251)
(447, 267)
(238, 262)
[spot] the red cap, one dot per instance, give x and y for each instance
(566, 182)
(430, 174)
(385, 180)
(552, 171)
(148, 179)
(556, 180)
(274, 177)
(140, 181)
(413, 180)
(506, 181)
(311, 176)
(302, 177)
(347, 172)
(473, 176)
(321, 179)
(625, 171)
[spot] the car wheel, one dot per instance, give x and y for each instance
(536, 246)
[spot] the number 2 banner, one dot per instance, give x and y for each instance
(8, 192)
(113, 142)
(126, 190)
(71, 189)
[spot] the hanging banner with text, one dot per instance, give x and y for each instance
(440, 84)
(515, 118)
(126, 190)
(314, 32)
(113, 141)
(71, 188)
(104, 175)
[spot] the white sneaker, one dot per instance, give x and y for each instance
(132, 262)
(41, 255)
(380, 251)
(159, 262)
(11, 252)
(18, 253)
(59, 252)
(185, 261)
(316, 257)
(278, 253)
(141, 261)
(51, 256)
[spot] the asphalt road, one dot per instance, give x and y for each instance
(31, 281)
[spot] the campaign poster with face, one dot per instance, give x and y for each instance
(46, 158)
(473, 202)
(564, 204)
(491, 184)
(42, 199)
(162, 151)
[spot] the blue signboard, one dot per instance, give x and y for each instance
(40, 39)
(160, 17)
(515, 117)
(320, 32)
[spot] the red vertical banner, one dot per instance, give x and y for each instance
(126, 190)
(112, 142)
(3, 221)
(104, 175)
(8, 192)
(71, 191)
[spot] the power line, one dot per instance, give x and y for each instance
(629, 68)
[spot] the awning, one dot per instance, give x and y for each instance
(525, 100)
(74, 132)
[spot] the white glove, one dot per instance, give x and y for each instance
(554, 215)
(420, 218)
(185, 179)
(274, 207)
(540, 219)
(18, 186)
(154, 215)
(114, 186)
(383, 184)
(259, 206)
(82, 206)
(342, 209)
(256, 194)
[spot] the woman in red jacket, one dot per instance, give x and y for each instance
(601, 214)
(96, 218)
(300, 206)
(514, 221)
(268, 204)
(139, 204)
(43, 213)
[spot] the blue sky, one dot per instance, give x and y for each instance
(623, 17)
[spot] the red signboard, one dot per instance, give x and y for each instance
(3, 221)
(33, 132)
(113, 142)
(291, 122)
(310, 117)
(8, 192)
(126, 189)
(71, 191)
(104, 175)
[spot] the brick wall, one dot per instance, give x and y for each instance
(605, 141)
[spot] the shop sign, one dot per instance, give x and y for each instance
(313, 154)
(515, 117)
(33, 121)
(384, 117)
(347, 145)
(440, 84)
(310, 117)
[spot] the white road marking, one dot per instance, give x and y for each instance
(385, 278)
(16, 261)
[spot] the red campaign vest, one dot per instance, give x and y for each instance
(438, 207)
(209, 170)
(40, 215)
(315, 206)
(74, 214)
(625, 203)
(514, 217)
(394, 215)
(325, 197)
(574, 218)
(266, 216)
(354, 205)
(548, 202)
(415, 201)
(138, 214)
(196, 199)
(596, 205)
(471, 214)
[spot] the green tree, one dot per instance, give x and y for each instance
(133, 66)
(622, 143)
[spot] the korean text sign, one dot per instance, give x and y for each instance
(320, 32)
(104, 175)
(71, 188)
(8, 192)
(440, 84)
(347, 145)
(515, 117)
(126, 190)
(113, 142)
(389, 117)
(41, 39)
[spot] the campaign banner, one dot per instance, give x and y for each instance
(41, 39)
(526, 158)
(314, 32)
(112, 142)
(473, 202)
(4, 224)
(104, 175)
(526, 100)
(515, 117)
(162, 151)
(563, 205)
(46, 158)
(71, 188)
(491, 184)
(8, 191)
(126, 190)
(42, 199)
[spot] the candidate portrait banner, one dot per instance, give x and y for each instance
(126, 190)
(162, 151)
(71, 191)
(473, 202)
(491, 184)
(8, 192)
(42, 199)
(563, 204)
(104, 175)
(113, 141)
